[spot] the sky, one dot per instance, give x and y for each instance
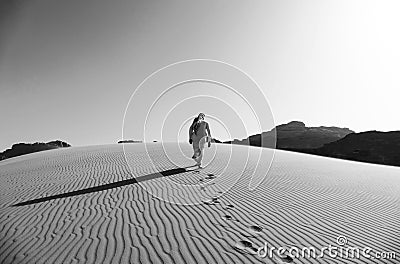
(68, 69)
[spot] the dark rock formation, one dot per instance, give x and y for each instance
(295, 135)
(371, 146)
(59, 143)
(129, 141)
(26, 148)
(214, 140)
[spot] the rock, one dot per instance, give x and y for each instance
(26, 148)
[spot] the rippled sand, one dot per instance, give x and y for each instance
(85, 205)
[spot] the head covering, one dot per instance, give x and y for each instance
(196, 122)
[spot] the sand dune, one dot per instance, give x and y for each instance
(84, 205)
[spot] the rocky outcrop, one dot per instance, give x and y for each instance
(26, 148)
(371, 146)
(129, 141)
(295, 135)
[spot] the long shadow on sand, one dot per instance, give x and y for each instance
(108, 186)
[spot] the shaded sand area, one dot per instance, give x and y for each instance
(84, 205)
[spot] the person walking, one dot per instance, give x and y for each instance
(199, 134)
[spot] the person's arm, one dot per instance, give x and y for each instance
(209, 135)
(190, 133)
(208, 130)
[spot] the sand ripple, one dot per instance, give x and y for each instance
(303, 201)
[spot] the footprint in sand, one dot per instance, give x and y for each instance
(227, 217)
(212, 201)
(230, 218)
(287, 259)
(245, 247)
(203, 188)
(255, 229)
(284, 259)
(210, 176)
(252, 231)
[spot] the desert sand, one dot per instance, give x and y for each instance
(93, 205)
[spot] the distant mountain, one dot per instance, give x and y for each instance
(295, 135)
(371, 146)
(26, 148)
(129, 141)
(214, 140)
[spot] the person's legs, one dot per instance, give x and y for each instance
(196, 149)
(201, 149)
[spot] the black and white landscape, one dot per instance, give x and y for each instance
(100, 104)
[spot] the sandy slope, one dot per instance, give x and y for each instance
(303, 201)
